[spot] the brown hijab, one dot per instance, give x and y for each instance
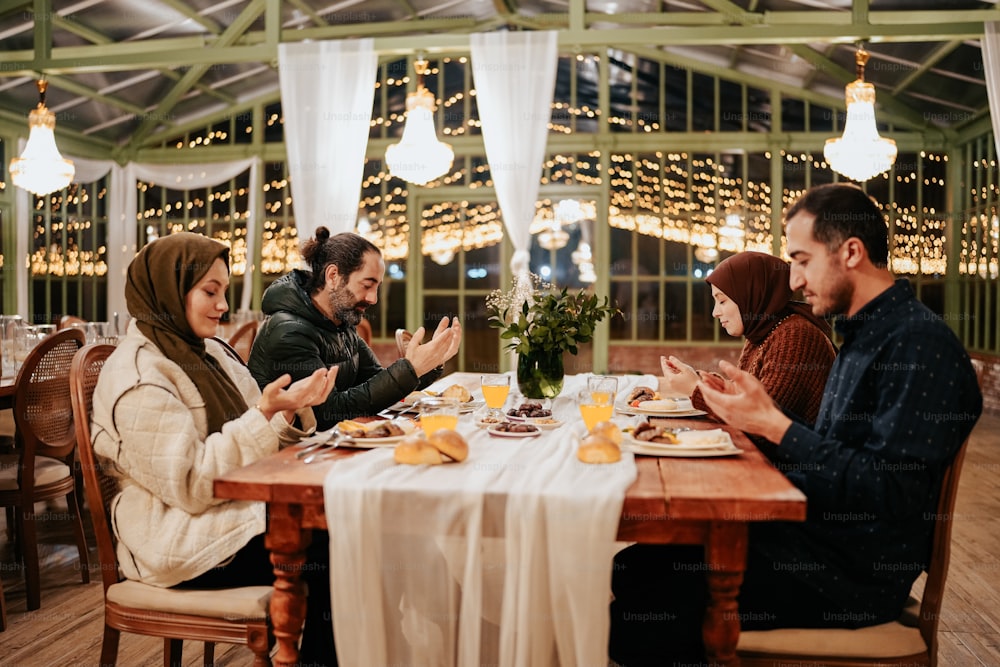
(758, 284)
(159, 278)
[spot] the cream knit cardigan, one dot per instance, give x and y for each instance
(149, 420)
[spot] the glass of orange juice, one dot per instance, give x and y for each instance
(496, 387)
(603, 387)
(597, 401)
(438, 413)
(594, 407)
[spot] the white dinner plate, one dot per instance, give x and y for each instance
(626, 409)
(654, 449)
(678, 446)
(371, 443)
(508, 434)
(722, 447)
(463, 408)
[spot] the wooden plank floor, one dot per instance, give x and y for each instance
(67, 629)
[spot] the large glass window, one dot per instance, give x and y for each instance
(68, 256)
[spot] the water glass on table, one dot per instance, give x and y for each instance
(9, 324)
(438, 413)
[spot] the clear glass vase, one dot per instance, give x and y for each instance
(540, 373)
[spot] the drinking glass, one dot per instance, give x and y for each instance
(8, 327)
(594, 407)
(603, 387)
(438, 413)
(597, 401)
(496, 387)
(43, 330)
(26, 337)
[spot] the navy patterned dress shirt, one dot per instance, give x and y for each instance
(900, 400)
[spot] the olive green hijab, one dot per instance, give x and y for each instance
(159, 279)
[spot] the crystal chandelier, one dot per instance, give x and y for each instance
(41, 169)
(553, 237)
(861, 153)
(419, 157)
(567, 212)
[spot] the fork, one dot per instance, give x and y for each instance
(320, 453)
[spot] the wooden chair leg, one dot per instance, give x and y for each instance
(29, 554)
(73, 502)
(11, 524)
(109, 647)
(3, 609)
(173, 652)
(209, 658)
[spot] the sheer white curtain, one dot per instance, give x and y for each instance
(327, 90)
(122, 239)
(991, 66)
(515, 75)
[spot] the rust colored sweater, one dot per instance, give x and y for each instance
(792, 363)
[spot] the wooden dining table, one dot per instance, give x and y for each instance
(699, 501)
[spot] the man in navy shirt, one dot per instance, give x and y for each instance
(900, 399)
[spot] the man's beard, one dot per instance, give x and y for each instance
(838, 299)
(345, 308)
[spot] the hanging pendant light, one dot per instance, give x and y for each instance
(419, 157)
(860, 153)
(41, 169)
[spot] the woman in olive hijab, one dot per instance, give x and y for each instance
(174, 409)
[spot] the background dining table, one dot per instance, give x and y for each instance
(700, 501)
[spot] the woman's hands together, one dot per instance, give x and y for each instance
(442, 346)
(678, 379)
(280, 396)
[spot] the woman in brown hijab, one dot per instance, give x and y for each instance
(174, 409)
(787, 347)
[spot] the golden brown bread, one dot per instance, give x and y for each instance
(609, 430)
(442, 446)
(414, 450)
(598, 449)
(458, 392)
(450, 443)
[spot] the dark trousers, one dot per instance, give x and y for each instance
(660, 597)
(251, 566)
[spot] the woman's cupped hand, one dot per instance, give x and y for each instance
(283, 395)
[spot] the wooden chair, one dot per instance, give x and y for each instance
(228, 615)
(242, 340)
(910, 641)
(43, 466)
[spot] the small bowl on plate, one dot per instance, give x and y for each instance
(544, 423)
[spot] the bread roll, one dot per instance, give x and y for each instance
(414, 450)
(450, 443)
(458, 392)
(414, 396)
(609, 430)
(598, 449)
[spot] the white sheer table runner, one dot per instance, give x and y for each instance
(503, 559)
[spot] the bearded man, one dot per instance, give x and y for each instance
(311, 323)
